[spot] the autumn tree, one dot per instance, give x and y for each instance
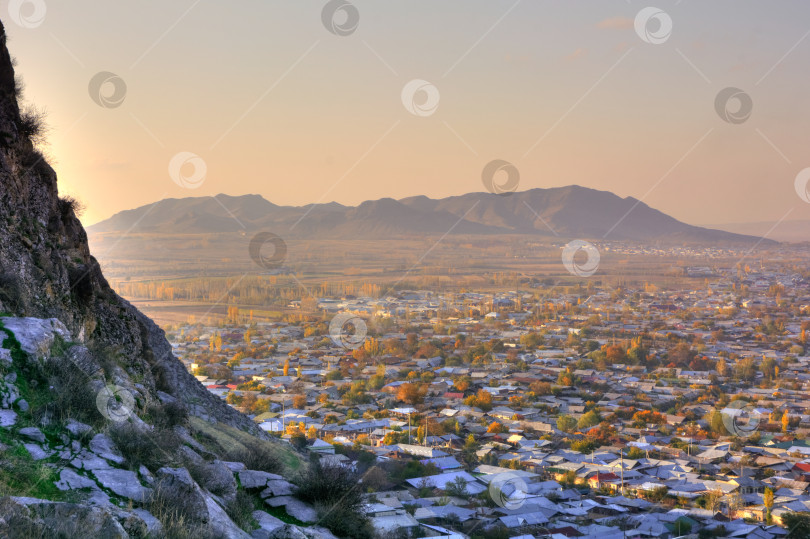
(412, 393)
(482, 400)
(767, 501)
(299, 401)
(462, 383)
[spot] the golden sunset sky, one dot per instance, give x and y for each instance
(569, 92)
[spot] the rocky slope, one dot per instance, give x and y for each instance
(103, 433)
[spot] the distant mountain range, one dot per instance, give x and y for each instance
(565, 212)
(797, 230)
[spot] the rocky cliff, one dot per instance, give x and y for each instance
(47, 271)
(103, 433)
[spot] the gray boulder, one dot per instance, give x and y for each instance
(175, 486)
(37, 452)
(104, 447)
(300, 510)
(123, 483)
(36, 335)
(70, 480)
(31, 517)
(86, 460)
(218, 479)
(220, 523)
(268, 523)
(8, 418)
(288, 531)
(33, 433)
(235, 466)
(255, 478)
(77, 429)
(153, 526)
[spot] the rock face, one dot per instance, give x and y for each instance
(96, 373)
(47, 271)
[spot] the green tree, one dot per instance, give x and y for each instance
(566, 423)
(798, 525)
(589, 419)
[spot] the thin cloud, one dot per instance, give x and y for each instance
(579, 53)
(616, 23)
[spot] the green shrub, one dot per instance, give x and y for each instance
(139, 446)
(241, 508)
(167, 415)
(32, 125)
(334, 491)
(256, 456)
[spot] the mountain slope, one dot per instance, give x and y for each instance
(567, 212)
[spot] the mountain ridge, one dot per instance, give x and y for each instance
(568, 212)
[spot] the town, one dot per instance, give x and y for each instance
(560, 410)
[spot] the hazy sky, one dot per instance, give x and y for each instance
(274, 103)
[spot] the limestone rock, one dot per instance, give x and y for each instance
(33, 433)
(267, 522)
(37, 452)
(70, 480)
(256, 479)
(175, 485)
(123, 483)
(77, 429)
(218, 479)
(220, 523)
(103, 446)
(300, 510)
(277, 487)
(30, 517)
(36, 335)
(8, 418)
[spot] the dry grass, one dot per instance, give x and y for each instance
(229, 442)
